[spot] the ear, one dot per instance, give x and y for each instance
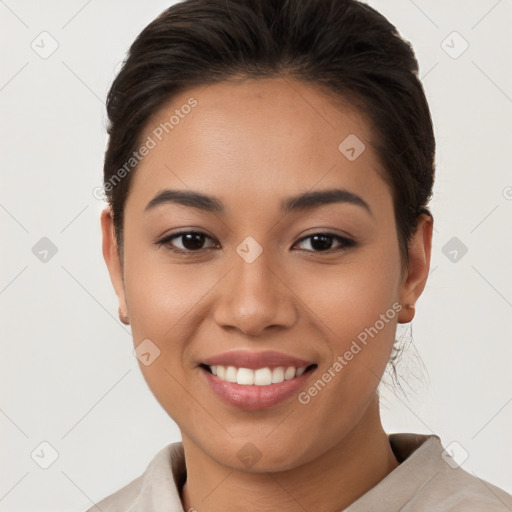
(415, 278)
(113, 261)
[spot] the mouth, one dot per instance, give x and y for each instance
(264, 376)
(254, 381)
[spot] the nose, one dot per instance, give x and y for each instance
(254, 297)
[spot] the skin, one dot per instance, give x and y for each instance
(252, 144)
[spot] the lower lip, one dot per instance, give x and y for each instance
(254, 397)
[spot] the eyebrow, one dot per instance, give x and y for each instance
(301, 202)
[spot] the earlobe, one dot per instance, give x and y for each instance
(420, 247)
(123, 317)
(406, 314)
(113, 261)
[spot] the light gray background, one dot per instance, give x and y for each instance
(68, 373)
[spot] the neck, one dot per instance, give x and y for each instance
(332, 481)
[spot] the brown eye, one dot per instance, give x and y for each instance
(322, 242)
(191, 241)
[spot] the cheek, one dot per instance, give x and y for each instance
(352, 296)
(343, 299)
(159, 298)
(355, 306)
(162, 299)
(159, 293)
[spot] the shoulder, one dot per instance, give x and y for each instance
(121, 500)
(427, 479)
(158, 480)
(456, 489)
(447, 486)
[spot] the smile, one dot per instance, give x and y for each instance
(255, 380)
(258, 377)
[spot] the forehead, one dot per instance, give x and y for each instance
(251, 139)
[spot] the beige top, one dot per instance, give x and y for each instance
(427, 480)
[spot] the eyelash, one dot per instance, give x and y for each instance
(346, 242)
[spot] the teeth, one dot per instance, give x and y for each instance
(277, 375)
(259, 377)
(245, 376)
(300, 371)
(231, 374)
(289, 373)
(263, 377)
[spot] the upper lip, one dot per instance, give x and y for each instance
(255, 360)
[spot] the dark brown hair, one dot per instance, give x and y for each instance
(341, 46)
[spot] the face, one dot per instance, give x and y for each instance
(307, 290)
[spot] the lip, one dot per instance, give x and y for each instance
(254, 360)
(252, 398)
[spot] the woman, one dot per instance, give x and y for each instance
(268, 173)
